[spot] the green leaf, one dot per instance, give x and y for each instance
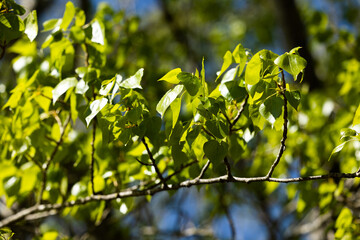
(31, 25)
(190, 81)
(168, 98)
(203, 81)
(12, 185)
(271, 109)
(253, 69)
(51, 24)
(175, 108)
(95, 108)
(258, 65)
(228, 58)
(214, 128)
(11, 27)
(344, 219)
(81, 87)
(68, 15)
(133, 81)
(18, 9)
(293, 98)
(73, 112)
(97, 32)
(215, 151)
(339, 147)
(240, 57)
(356, 119)
(178, 156)
(62, 87)
(105, 89)
(171, 76)
(345, 133)
(77, 34)
(99, 183)
(292, 63)
(80, 17)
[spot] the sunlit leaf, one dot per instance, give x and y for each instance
(62, 87)
(175, 108)
(68, 15)
(293, 98)
(191, 82)
(97, 32)
(356, 119)
(31, 25)
(51, 24)
(240, 57)
(227, 62)
(271, 109)
(133, 81)
(292, 63)
(346, 133)
(81, 87)
(171, 76)
(339, 147)
(95, 108)
(168, 98)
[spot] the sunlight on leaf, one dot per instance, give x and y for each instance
(95, 108)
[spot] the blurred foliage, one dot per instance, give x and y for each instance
(106, 69)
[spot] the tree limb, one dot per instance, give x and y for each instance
(188, 183)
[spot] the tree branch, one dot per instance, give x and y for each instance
(282, 146)
(228, 168)
(188, 183)
(203, 170)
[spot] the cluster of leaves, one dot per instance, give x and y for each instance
(48, 155)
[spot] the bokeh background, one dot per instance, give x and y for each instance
(165, 34)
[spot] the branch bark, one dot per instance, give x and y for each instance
(188, 183)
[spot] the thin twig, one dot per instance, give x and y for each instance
(188, 183)
(238, 115)
(203, 170)
(228, 168)
(207, 132)
(282, 146)
(154, 162)
(173, 174)
(2, 51)
(226, 116)
(46, 165)
(142, 163)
